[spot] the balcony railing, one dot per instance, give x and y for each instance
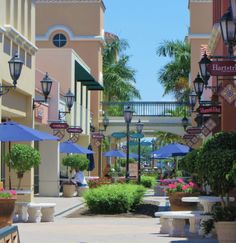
(142, 108)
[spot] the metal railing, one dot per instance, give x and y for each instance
(147, 108)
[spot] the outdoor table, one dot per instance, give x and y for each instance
(206, 201)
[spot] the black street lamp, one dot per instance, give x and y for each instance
(203, 63)
(69, 96)
(128, 113)
(15, 67)
(192, 99)
(139, 129)
(198, 84)
(185, 123)
(46, 85)
(228, 30)
(105, 121)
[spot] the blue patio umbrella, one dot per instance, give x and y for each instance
(114, 153)
(172, 150)
(70, 147)
(134, 156)
(14, 132)
(90, 157)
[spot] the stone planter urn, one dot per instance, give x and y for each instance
(176, 203)
(81, 190)
(68, 190)
(7, 206)
(226, 231)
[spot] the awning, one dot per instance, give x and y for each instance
(83, 76)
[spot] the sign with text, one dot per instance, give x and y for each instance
(97, 135)
(59, 125)
(222, 68)
(188, 136)
(210, 109)
(193, 130)
(74, 130)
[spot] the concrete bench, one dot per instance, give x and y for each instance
(173, 222)
(47, 212)
(21, 211)
(34, 211)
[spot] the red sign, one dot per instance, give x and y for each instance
(210, 109)
(59, 125)
(74, 130)
(193, 130)
(188, 136)
(224, 68)
(97, 135)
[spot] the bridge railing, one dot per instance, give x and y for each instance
(147, 108)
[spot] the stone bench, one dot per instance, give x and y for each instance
(173, 222)
(41, 212)
(21, 211)
(47, 211)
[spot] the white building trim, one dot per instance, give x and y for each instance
(73, 37)
(199, 36)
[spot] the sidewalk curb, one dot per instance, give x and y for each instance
(68, 210)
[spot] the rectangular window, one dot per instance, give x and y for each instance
(14, 49)
(7, 45)
(28, 60)
(22, 55)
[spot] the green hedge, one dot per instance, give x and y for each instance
(148, 181)
(112, 199)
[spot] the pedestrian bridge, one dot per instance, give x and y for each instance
(156, 116)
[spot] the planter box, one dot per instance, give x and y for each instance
(226, 231)
(160, 190)
(68, 190)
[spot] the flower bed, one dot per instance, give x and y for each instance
(96, 182)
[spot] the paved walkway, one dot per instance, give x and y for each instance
(96, 229)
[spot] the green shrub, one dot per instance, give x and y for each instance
(75, 161)
(110, 199)
(148, 181)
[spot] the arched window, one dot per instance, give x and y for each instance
(59, 40)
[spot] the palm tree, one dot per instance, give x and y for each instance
(164, 138)
(118, 77)
(174, 75)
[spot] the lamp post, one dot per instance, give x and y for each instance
(192, 99)
(228, 30)
(46, 85)
(128, 113)
(15, 68)
(198, 84)
(69, 96)
(105, 121)
(203, 63)
(139, 129)
(185, 122)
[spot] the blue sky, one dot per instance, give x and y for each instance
(145, 24)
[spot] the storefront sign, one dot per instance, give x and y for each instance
(188, 136)
(59, 125)
(193, 130)
(210, 109)
(224, 68)
(74, 130)
(97, 135)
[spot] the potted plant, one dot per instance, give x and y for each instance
(22, 158)
(178, 189)
(74, 162)
(7, 206)
(217, 162)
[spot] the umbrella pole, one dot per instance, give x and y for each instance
(9, 167)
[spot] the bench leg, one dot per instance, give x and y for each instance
(47, 214)
(164, 225)
(22, 213)
(34, 214)
(177, 227)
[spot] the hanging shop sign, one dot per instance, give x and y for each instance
(193, 130)
(222, 68)
(188, 136)
(97, 135)
(210, 109)
(74, 130)
(59, 125)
